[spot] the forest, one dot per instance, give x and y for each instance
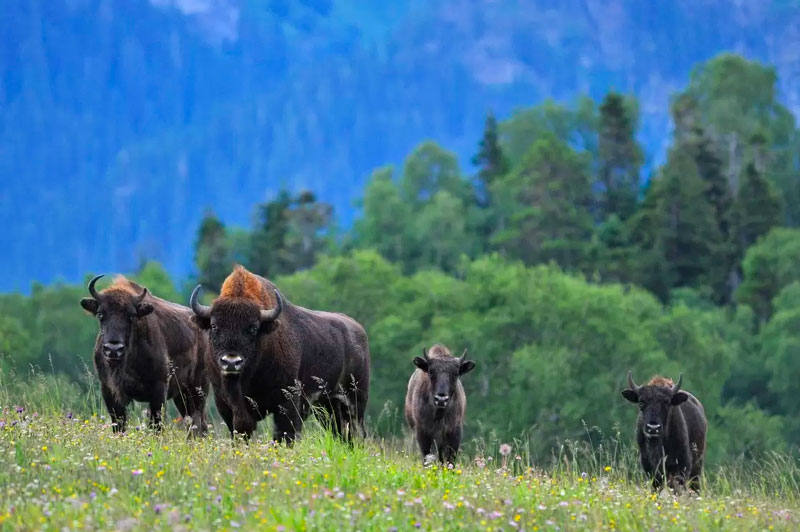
(559, 264)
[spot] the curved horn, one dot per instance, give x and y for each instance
(425, 353)
(677, 387)
(632, 385)
(272, 315)
(463, 356)
(201, 310)
(141, 297)
(91, 286)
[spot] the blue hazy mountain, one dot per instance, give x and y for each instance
(122, 120)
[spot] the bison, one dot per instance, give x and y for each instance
(269, 356)
(147, 350)
(436, 402)
(670, 431)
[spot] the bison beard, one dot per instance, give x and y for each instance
(147, 350)
(270, 356)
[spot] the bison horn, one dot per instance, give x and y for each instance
(425, 353)
(91, 286)
(463, 356)
(272, 315)
(632, 385)
(201, 310)
(677, 387)
(141, 297)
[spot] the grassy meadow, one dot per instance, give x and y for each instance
(60, 470)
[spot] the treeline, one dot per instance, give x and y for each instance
(552, 264)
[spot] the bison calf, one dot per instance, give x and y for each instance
(670, 431)
(436, 402)
(148, 350)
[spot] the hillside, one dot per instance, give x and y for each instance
(121, 120)
(66, 471)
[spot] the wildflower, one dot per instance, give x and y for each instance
(607, 468)
(137, 472)
(505, 449)
(69, 415)
(495, 515)
(158, 508)
(19, 409)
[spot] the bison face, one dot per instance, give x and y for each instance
(236, 326)
(443, 374)
(116, 311)
(654, 404)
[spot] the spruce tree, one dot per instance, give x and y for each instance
(619, 158)
(212, 252)
(490, 160)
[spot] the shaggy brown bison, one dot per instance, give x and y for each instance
(148, 350)
(270, 356)
(670, 431)
(436, 402)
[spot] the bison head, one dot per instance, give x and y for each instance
(236, 326)
(443, 373)
(116, 311)
(654, 404)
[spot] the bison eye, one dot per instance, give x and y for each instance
(641, 406)
(100, 316)
(253, 330)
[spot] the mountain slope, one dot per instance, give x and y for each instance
(121, 120)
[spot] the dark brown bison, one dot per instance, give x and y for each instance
(272, 357)
(436, 402)
(147, 350)
(670, 431)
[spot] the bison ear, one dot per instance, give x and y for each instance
(421, 363)
(630, 395)
(679, 398)
(89, 304)
(143, 309)
(466, 367)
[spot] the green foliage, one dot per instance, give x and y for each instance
(676, 228)
(157, 280)
(619, 157)
(735, 100)
(212, 253)
(490, 159)
(546, 204)
(768, 266)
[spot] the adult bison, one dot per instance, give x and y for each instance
(148, 350)
(670, 431)
(269, 356)
(436, 402)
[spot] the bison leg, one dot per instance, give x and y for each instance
(156, 407)
(288, 422)
(193, 406)
(225, 412)
(115, 409)
(449, 448)
(425, 442)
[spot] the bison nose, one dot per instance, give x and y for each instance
(231, 363)
(113, 350)
(441, 399)
(653, 428)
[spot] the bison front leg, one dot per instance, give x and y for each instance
(449, 448)
(288, 422)
(156, 414)
(425, 442)
(116, 410)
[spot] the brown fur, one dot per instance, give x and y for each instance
(164, 355)
(432, 425)
(658, 380)
(326, 353)
(243, 284)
